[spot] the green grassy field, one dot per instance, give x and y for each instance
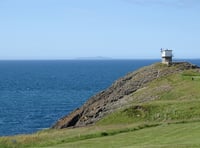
(165, 136)
(169, 119)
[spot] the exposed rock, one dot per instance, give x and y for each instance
(117, 95)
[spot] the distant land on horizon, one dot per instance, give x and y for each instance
(94, 58)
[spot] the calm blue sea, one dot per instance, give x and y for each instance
(34, 94)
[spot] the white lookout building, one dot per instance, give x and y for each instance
(166, 56)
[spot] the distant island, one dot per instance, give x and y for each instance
(94, 58)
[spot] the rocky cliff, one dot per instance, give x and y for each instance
(119, 94)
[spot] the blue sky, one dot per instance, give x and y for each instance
(64, 29)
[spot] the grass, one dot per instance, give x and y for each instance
(165, 136)
(158, 111)
(56, 137)
(166, 113)
(175, 97)
(176, 135)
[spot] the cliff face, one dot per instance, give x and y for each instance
(119, 94)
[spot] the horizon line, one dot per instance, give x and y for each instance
(91, 59)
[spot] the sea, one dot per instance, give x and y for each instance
(35, 94)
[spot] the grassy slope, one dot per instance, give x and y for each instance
(168, 136)
(174, 98)
(170, 119)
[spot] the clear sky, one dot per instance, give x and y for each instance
(62, 29)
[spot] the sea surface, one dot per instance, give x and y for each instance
(35, 94)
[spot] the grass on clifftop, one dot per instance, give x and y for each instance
(172, 98)
(165, 113)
